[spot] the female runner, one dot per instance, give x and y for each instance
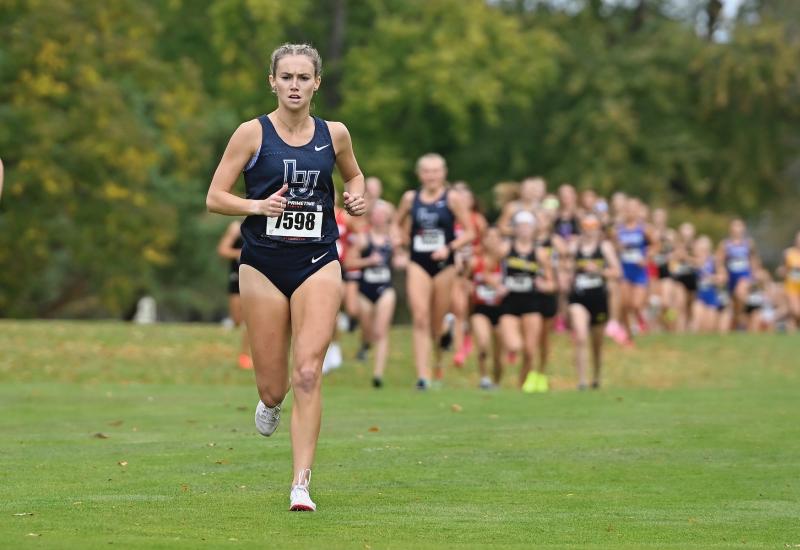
(290, 278)
(460, 301)
(230, 248)
(526, 273)
(791, 273)
(737, 253)
(709, 306)
(371, 253)
(429, 215)
(547, 303)
(683, 269)
(661, 286)
(487, 296)
(634, 243)
(531, 193)
(592, 261)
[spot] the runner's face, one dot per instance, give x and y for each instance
(294, 82)
(525, 230)
(737, 229)
(380, 217)
(432, 173)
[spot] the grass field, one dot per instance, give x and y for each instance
(143, 437)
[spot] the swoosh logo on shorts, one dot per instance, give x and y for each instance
(321, 148)
(315, 260)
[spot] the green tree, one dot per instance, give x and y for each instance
(99, 136)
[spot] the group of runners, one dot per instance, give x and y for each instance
(563, 261)
(551, 260)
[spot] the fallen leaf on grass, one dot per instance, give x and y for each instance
(184, 487)
(494, 416)
(116, 423)
(123, 463)
(374, 429)
(456, 408)
(241, 408)
(212, 444)
(99, 435)
(223, 461)
(24, 514)
(34, 535)
(77, 503)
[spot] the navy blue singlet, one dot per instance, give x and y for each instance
(289, 248)
(432, 227)
(308, 169)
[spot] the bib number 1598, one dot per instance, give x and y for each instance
(296, 224)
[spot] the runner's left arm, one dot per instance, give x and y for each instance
(354, 202)
(613, 269)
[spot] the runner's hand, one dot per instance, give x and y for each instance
(274, 205)
(441, 254)
(355, 205)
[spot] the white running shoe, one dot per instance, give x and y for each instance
(299, 499)
(267, 418)
(336, 355)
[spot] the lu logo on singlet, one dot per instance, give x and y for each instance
(306, 179)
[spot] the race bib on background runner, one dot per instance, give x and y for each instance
(429, 240)
(519, 283)
(377, 275)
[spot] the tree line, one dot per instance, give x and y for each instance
(114, 114)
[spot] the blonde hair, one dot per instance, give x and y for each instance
(296, 49)
(430, 156)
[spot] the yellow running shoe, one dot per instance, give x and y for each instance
(531, 382)
(542, 383)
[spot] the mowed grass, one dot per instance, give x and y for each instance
(143, 437)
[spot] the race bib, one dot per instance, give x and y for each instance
(588, 281)
(428, 240)
(377, 275)
(794, 275)
(632, 256)
(738, 265)
(296, 224)
(519, 283)
(486, 294)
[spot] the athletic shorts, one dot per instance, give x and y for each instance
(663, 271)
(492, 313)
(287, 267)
(709, 297)
(547, 304)
(431, 267)
(520, 303)
(371, 291)
(634, 274)
(596, 303)
(734, 278)
(688, 280)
